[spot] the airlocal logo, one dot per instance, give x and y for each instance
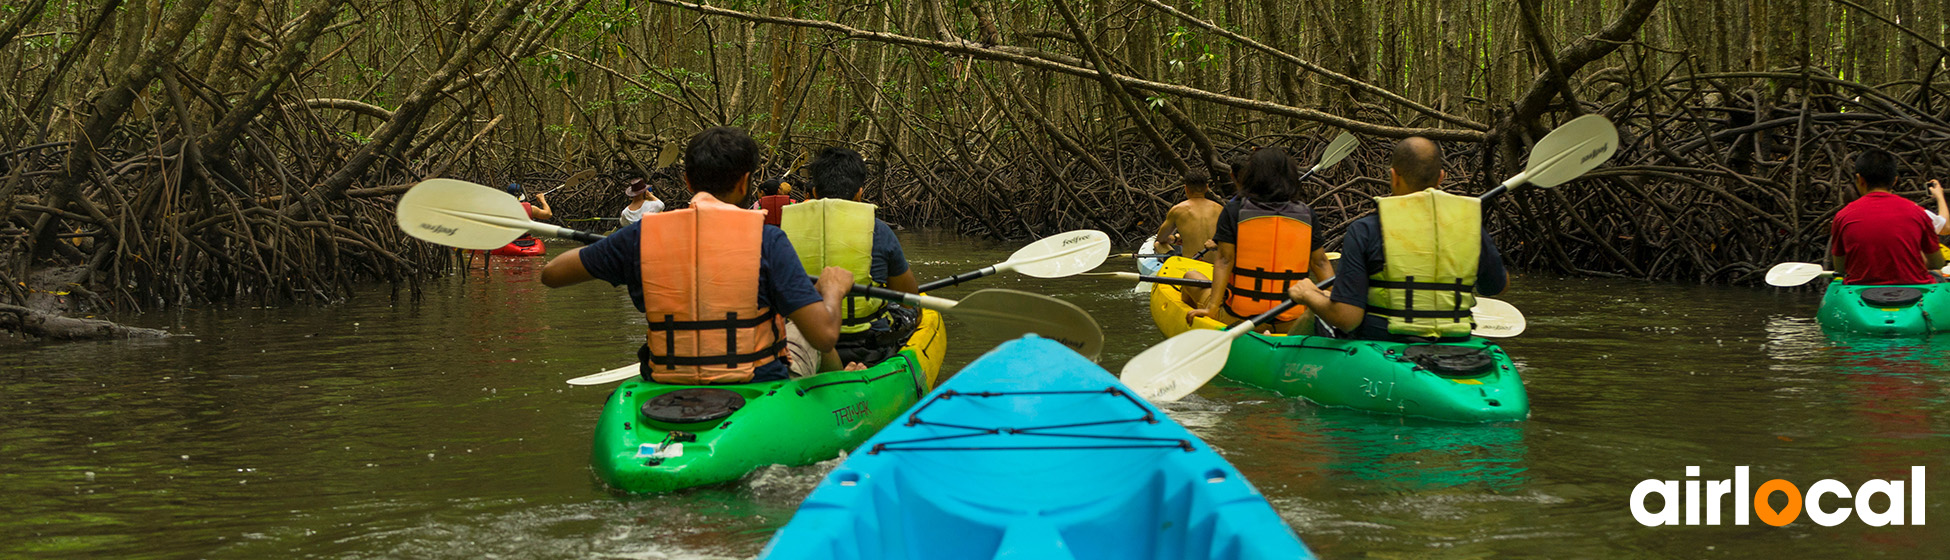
(1747, 500)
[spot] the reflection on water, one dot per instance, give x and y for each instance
(440, 427)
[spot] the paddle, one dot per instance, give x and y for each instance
(1494, 319)
(470, 216)
(1790, 274)
(1056, 256)
(995, 312)
(460, 214)
(573, 180)
(1174, 368)
(1333, 153)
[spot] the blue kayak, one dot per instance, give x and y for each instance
(1033, 452)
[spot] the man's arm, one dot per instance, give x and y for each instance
(1491, 277)
(1319, 269)
(540, 210)
(1942, 209)
(565, 270)
(1341, 315)
(1166, 230)
(1934, 259)
(905, 282)
(820, 322)
(1221, 276)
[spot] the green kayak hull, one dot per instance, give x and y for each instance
(1378, 377)
(794, 422)
(1844, 311)
(1359, 374)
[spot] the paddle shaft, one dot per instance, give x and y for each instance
(1176, 281)
(566, 233)
(927, 302)
(958, 278)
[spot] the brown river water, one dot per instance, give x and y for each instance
(440, 427)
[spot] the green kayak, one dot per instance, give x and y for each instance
(657, 438)
(1885, 310)
(1472, 381)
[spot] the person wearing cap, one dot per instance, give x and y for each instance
(642, 201)
(537, 211)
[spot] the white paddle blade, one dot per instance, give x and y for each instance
(461, 214)
(1496, 318)
(578, 178)
(1579, 146)
(1790, 274)
(608, 377)
(1178, 366)
(1061, 255)
(1337, 150)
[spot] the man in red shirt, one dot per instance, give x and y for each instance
(1881, 238)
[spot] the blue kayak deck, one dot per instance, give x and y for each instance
(1034, 452)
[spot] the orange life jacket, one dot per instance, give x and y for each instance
(1273, 252)
(700, 295)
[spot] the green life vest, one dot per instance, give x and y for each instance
(1432, 241)
(832, 232)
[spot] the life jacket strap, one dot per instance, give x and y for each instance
(731, 324)
(1420, 314)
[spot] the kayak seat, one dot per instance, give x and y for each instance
(524, 242)
(1891, 296)
(1450, 361)
(690, 406)
(1033, 537)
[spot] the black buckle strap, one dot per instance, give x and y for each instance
(731, 321)
(1457, 315)
(728, 360)
(862, 320)
(731, 324)
(1458, 286)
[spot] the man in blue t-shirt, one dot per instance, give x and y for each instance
(720, 161)
(839, 173)
(1415, 166)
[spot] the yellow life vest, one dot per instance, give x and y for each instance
(1432, 241)
(833, 232)
(700, 295)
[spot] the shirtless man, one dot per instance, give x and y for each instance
(1190, 224)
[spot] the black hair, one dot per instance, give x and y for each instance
(1239, 163)
(837, 173)
(1197, 178)
(1271, 176)
(769, 187)
(716, 158)
(1877, 167)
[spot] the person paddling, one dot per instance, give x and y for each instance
(1410, 272)
(1266, 241)
(833, 228)
(1190, 224)
(713, 280)
(1880, 238)
(642, 201)
(538, 211)
(776, 194)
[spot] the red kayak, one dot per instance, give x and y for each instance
(523, 247)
